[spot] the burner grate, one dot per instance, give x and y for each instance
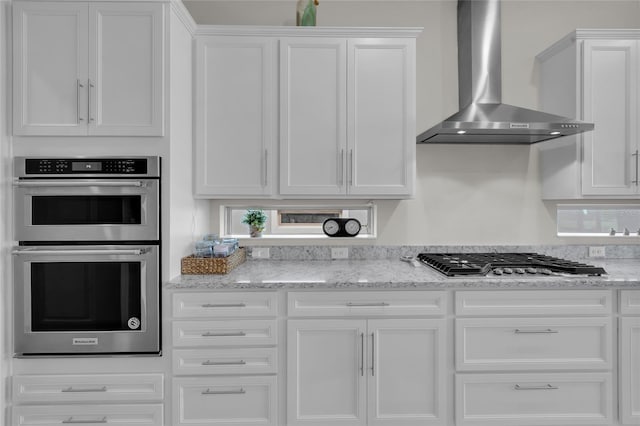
(479, 264)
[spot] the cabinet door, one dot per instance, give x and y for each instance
(235, 100)
(533, 343)
(630, 371)
(85, 415)
(610, 94)
(312, 116)
(381, 116)
(225, 401)
(126, 69)
(406, 374)
(98, 388)
(50, 68)
(540, 399)
(326, 372)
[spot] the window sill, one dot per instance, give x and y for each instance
(599, 235)
(300, 237)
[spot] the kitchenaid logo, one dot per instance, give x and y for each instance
(85, 340)
(518, 125)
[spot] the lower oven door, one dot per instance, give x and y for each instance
(86, 300)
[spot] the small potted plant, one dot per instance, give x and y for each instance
(256, 220)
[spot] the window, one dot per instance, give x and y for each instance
(598, 220)
(297, 221)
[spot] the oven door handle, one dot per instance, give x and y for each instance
(82, 184)
(127, 252)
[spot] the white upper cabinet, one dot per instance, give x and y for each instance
(290, 113)
(593, 75)
(313, 125)
(610, 88)
(347, 117)
(88, 69)
(50, 68)
(234, 113)
(381, 117)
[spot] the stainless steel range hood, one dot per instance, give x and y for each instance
(483, 118)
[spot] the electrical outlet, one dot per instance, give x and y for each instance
(260, 253)
(339, 253)
(597, 251)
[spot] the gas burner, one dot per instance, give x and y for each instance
(505, 264)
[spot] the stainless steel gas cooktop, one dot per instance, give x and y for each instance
(506, 264)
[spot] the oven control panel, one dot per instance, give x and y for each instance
(87, 166)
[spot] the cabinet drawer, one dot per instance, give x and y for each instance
(225, 361)
(224, 333)
(366, 303)
(630, 302)
(533, 302)
(93, 388)
(533, 343)
(120, 415)
(221, 305)
(533, 399)
(225, 401)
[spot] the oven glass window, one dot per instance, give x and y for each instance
(85, 296)
(87, 210)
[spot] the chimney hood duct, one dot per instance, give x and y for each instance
(483, 118)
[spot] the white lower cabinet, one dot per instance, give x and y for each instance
(96, 388)
(533, 399)
(507, 342)
(228, 332)
(225, 361)
(120, 415)
(533, 343)
(394, 358)
(365, 372)
(88, 399)
(630, 371)
(225, 401)
(224, 358)
(630, 359)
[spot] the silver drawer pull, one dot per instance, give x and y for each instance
(352, 304)
(545, 331)
(224, 334)
(543, 387)
(224, 392)
(224, 305)
(239, 362)
(72, 389)
(71, 421)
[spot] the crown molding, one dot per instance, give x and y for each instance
(185, 17)
(276, 31)
(588, 34)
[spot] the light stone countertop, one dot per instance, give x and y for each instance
(391, 274)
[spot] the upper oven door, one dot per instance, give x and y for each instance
(86, 210)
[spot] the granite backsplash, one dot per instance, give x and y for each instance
(363, 252)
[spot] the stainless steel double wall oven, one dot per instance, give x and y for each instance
(87, 268)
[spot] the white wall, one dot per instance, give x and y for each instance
(465, 194)
(188, 218)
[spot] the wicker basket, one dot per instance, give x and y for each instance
(192, 265)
